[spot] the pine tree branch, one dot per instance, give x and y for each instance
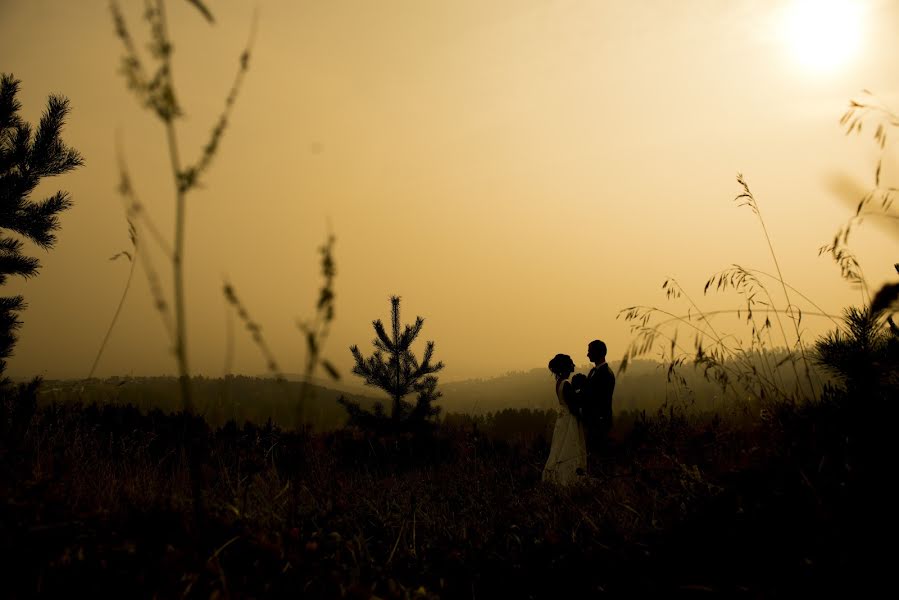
(17, 264)
(383, 342)
(49, 156)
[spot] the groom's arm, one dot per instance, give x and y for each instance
(606, 390)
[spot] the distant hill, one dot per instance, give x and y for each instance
(644, 386)
(238, 397)
(348, 384)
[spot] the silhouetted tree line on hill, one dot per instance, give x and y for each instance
(498, 405)
(646, 386)
(219, 400)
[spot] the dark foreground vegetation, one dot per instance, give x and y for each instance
(775, 502)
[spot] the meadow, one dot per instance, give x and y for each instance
(99, 499)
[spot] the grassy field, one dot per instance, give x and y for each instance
(98, 500)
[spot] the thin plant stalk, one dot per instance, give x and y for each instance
(821, 312)
(318, 329)
(674, 288)
(132, 258)
(178, 247)
(750, 200)
(135, 213)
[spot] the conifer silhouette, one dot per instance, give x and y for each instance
(395, 369)
(863, 355)
(25, 159)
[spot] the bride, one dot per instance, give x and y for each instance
(568, 451)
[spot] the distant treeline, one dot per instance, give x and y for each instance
(219, 400)
(645, 386)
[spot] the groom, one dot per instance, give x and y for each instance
(595, 398)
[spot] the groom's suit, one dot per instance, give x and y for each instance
(596, 404)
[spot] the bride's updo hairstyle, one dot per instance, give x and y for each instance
(561, 365)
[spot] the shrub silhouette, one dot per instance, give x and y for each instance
(25, 159)
(399, 374)
(863, 355)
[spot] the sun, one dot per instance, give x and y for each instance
(823, 35)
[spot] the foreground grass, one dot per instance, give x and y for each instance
(98, 501)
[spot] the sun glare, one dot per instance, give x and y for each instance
(824, 35)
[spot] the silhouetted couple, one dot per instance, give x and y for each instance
(585, 414)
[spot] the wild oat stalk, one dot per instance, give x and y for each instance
(317, 330)
(134, 215)
(753, 370)
(747, 199)
(255, 331)
(131, 257)
(878, 202)
(850, 268)
(724, 360)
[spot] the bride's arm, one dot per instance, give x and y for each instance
(569, 395)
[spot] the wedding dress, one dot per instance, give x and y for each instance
(568, 450)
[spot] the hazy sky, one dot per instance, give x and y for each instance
(518, 171)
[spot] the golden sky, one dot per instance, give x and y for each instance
(517, 171)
